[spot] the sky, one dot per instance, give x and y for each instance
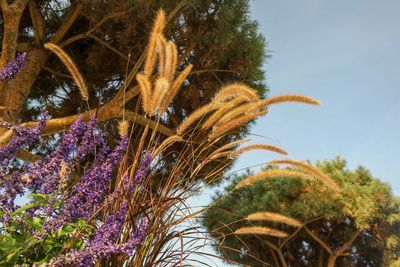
(345, 54)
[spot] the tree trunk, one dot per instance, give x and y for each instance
(18, 89)
(331, 260)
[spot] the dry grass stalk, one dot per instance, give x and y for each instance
(290, 98)
(273, 173)
(218, 131)
(240, 111)
(72, 68)
(328, 181)
(273, 217)
(228, 154)
(260, 230)
(160, 89)
(230, 145)
(175, 87)
(167, 142)
(234, 90)
(196, 115)
(217, 116)
(261, 147)
(151, 54)
(145, 90)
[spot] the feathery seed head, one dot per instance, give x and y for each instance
(291, 98)
(123, 128)
(160, 89)
(325, 179)
(234, 90)
(72, 68)
(273, 173)
(273, 217)
(259, 230)
(261, 147)
(145, 90)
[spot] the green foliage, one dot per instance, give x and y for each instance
(365, 203)
(24, 240)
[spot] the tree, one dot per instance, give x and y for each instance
(357, 227)
(107, 39)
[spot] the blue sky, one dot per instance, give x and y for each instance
(345, 54)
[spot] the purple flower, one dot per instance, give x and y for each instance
(90, 139)
(21, 137)
(104, 242)
(94, 185)
(11, 69)
(45, 173)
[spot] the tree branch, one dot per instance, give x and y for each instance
(298, 230)
(37, 21)
(97, 39)
(319, 240)
(346, 245)
(71, 18)
(96, 26)
(111, 110)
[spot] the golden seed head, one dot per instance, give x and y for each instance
(259, 230)
(273, 217)
(123, 128)
(72, 68)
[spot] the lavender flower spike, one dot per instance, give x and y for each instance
(11, 69)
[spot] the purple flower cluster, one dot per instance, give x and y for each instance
(45, 173)
(11, 69)
(103, 243)
(21, 137)
(81, 141)
(13, 184)
(94, 185)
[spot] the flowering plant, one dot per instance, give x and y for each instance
(92, 204)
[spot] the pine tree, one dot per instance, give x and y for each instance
(359, 226)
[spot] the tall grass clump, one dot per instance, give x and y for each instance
(88, 203)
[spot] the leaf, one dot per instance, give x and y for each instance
(65, 230)
(12, 255)
(24, 208)
(7, 243)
